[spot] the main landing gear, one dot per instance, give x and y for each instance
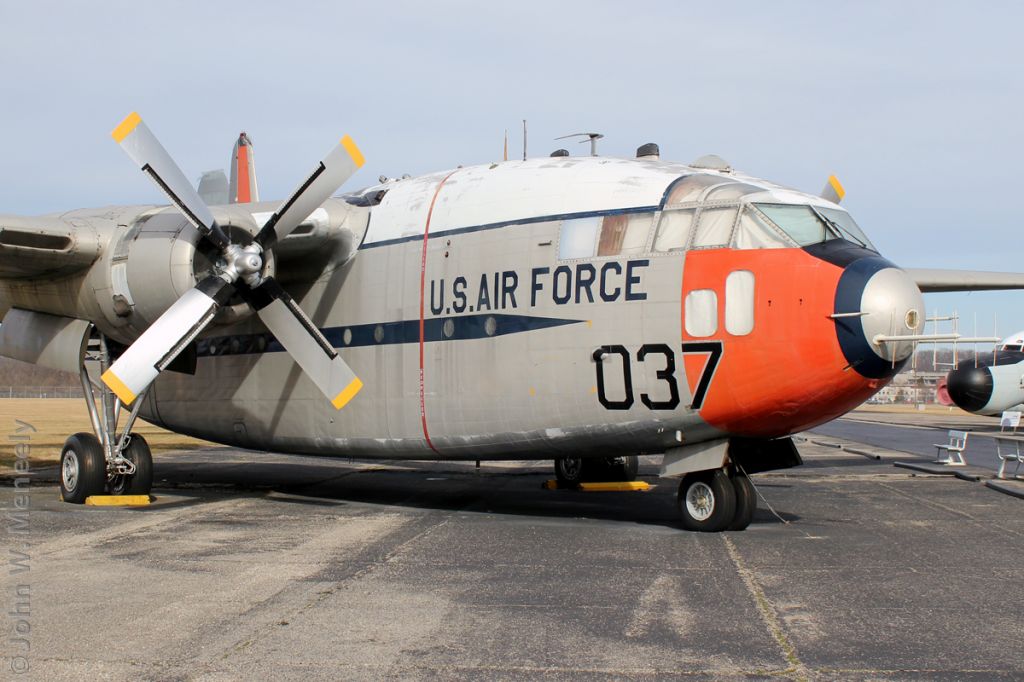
(104, 461)
(716, 500)
(571, 471)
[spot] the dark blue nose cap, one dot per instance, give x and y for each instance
(970, 387)
(853, 339)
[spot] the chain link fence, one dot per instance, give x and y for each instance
(41, 392)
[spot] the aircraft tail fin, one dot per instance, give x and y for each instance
(242, 188)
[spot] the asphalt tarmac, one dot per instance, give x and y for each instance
(258, 566)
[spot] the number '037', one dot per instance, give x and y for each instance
(662, 359)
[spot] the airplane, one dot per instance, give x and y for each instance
(582, 309)
(994, 387)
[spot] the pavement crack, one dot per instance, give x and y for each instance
(767, 612)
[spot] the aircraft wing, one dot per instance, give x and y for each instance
(44, 247)
(930, 280)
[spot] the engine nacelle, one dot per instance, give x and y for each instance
(160, 256)
(988, 390)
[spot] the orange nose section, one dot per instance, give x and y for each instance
(789, 372)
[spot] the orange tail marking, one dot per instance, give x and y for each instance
(242, 173)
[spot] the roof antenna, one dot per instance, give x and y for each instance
(506, 144)
(524, 139)
(593, 137)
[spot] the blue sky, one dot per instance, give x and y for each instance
(917, 106)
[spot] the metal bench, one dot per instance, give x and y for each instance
(954, 449)
(1008, 450)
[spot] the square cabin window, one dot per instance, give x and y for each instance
(624, 234)
(674, 230)
(578, 238)
(701, 312)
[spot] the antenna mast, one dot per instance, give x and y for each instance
(592, 137)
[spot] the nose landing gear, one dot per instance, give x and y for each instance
(716, 500)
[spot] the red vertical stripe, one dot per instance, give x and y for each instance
(242, 173)
(423, 284)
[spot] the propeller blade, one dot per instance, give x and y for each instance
(304, 342)
(146, 151)
(138, 366)
(337, 167)
(833, 191)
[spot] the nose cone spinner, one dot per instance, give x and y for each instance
(878, 311)
(970, 388)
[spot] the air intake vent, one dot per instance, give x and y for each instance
(34, 240)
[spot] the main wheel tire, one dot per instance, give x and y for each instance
(569, 471)
(746, 501)
(141, 482)
(628, 468)
(83, 468)
(707, 501)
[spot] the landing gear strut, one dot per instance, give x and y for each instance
(716, 500)
(106, 460)
(571, 471)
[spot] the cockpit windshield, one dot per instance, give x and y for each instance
(800, 222)
(844, 221)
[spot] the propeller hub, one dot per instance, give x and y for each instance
(242, 262)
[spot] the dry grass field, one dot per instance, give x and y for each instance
(54, 419)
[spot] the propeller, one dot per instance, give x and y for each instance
(239, 270)
(833, 191)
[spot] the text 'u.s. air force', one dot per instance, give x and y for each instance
(566, 284)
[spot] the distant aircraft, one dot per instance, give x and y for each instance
(992, 388)
(587, 310)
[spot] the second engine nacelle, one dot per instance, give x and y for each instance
(988, 390)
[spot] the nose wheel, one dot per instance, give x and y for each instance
(713, 501)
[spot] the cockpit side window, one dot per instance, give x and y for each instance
(799, 222)
(754, 232)
(609, 235)
(578, 237)
(674, 229)
(714, 226)
(624, 234)
(691, 187)
(730, 191)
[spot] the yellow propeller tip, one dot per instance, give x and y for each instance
(350, 146)
(125, 127)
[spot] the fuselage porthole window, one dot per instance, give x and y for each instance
(700, 313)
(739, 302)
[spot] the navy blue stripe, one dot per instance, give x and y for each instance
(462, 328)
(507, 223)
